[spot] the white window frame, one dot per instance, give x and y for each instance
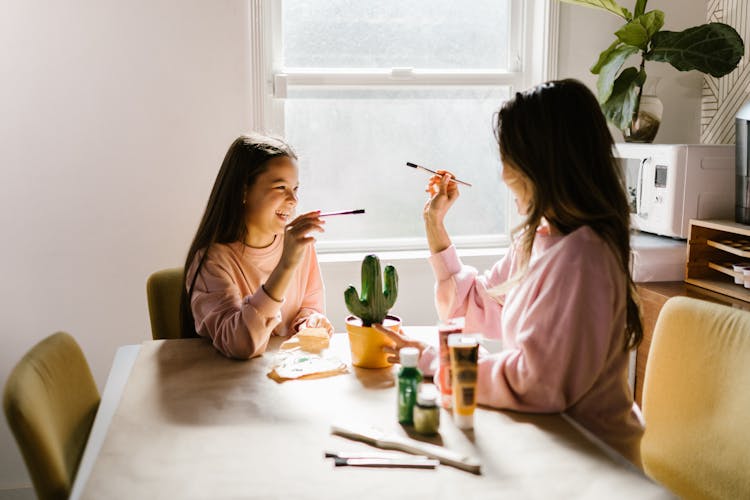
(533, 55)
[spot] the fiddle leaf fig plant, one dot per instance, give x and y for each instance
(713, 48)
(375, 302)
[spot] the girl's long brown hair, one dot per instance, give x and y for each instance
(557, 137)
(223, 220)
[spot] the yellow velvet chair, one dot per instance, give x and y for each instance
(696, 400)
(163, 290)
(50, 402)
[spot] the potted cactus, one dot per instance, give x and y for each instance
(370, 307)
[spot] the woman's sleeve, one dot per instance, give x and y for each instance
(428, 361)
(313, 299)
(460, 291)
(238, 326)
(563, 339)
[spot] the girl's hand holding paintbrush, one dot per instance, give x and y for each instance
(298, 233)
(297, 236)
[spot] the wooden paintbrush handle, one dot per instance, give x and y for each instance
(378, 438)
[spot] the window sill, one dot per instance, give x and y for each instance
(395, 255)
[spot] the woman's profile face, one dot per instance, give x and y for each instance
(519, 186)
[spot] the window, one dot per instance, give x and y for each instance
(359, 88)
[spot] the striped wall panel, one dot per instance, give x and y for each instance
(723, 97)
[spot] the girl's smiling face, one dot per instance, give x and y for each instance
(270, 202)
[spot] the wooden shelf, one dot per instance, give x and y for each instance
(723, 226)
(725, 287)
(713, 247)
(724, 268)
(741, 247)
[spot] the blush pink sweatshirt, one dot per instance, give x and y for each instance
(230, 306)
(562, 330)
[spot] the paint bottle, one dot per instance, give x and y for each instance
(444, 377)
(427, 411)
(409, 378)
(464, 357)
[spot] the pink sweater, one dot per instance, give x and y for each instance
(232, 309)
(562, 330)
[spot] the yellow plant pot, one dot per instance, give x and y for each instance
(367, 344)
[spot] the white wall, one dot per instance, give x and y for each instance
(114, 118)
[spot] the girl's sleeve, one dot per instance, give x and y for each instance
(239, 327)
(460, 291)
(313, 299)
(563, 339)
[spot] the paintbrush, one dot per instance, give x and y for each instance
(414, 165)
(377, 437)
(345, 212)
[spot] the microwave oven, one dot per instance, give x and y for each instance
(669, 184)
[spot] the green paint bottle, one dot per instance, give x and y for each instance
(409, 378)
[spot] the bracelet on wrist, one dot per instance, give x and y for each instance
(263, 286)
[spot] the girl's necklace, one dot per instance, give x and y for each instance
(261, 248)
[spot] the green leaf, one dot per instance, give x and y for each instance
(652, 21)
(714, 48)
(610, 68)
(640, 8)
(608, 5)
(622, 102)
(639, 31)
(634, 34)
(604, 57)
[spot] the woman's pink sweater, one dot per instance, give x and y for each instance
(232, 309)
(562, 330)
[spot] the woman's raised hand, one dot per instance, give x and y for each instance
(297, 237)
(443, 194)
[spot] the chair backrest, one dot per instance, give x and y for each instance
(164, 289)
(50, 402)
(696, 400)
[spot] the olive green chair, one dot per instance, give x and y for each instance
(163, 290)
(50, 402)
(696, 400)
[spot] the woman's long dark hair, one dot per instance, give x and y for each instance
(223, 220)
(557, 137)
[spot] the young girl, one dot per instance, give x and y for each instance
(562, 300)
(251, 273)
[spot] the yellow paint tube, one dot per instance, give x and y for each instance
(464, 350)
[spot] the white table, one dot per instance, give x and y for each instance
(113, 389)
(192, 424)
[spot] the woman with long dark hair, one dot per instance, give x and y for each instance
(562, 300)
